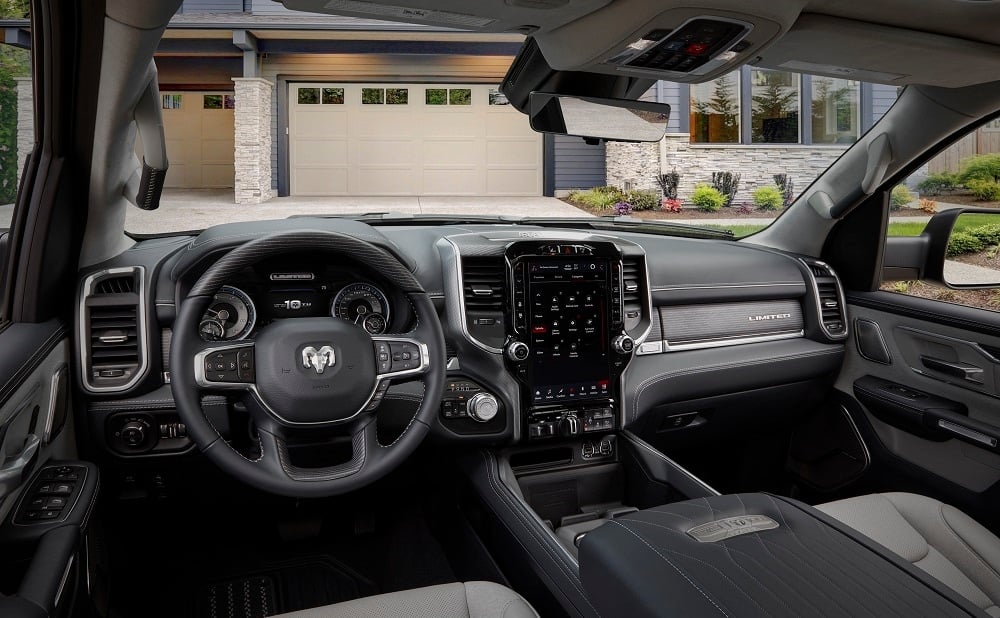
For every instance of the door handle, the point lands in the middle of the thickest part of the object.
(14, 472)
(969, 373)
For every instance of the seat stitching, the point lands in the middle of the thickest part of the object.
(969, 549)
(709, 565)
(828, 532)
(795, 536)
(674, 566)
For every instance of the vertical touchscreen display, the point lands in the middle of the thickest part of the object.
(568, 330)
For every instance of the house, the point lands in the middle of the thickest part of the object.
(275, 102)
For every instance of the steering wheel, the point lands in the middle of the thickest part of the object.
(307, 377)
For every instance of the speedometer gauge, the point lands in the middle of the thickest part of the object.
(365, 305)
(231, 315)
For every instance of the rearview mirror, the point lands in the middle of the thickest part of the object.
(594, 118)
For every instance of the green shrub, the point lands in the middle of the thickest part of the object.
(984, 190)
(768, 198)
(962, 242)
(981, 167)
(989, 234)
(707, 199)
(900, 196)
(601, 198)
(936, 184)
(643, 199)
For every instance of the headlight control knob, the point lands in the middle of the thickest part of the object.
(483, 407)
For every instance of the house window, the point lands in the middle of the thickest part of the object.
(497, 97)
(448, 96)
(835, 110)
(992, 126)
(397, 96)
(715, 111)
(308, 96)
(171, 101)
(372, 96)
(333, 96)
(228, 101)
(774, 107)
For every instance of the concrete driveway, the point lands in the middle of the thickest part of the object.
(198, 209)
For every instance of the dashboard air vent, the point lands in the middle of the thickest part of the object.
(116, 285)
(634, 291)
(482, 283)
(830, 299)
(111, 330)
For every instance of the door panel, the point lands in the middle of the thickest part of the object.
(947, 369)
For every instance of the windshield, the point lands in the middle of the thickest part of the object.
(338, 116)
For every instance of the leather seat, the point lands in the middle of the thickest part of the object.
(459, 600)
(935, 537)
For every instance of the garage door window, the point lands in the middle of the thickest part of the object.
(308, 96)
(385, 96)
(218, 101)
(333, 96)
(448, 96)
(171, 101)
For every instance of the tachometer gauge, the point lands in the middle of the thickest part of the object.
(231, 315)
(365, 305)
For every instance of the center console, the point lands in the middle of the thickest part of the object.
(566, 342)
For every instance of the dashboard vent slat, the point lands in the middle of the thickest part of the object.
(111, 336)
(633, 292)
(483, 283)
(831, 310)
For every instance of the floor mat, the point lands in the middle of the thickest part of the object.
(289, 587)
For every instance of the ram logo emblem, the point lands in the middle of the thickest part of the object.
(319, 359)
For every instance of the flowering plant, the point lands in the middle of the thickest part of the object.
(670, 204)
(623, 209)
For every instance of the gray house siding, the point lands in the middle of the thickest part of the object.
(577, 164)
(212, 6)
(883, 97)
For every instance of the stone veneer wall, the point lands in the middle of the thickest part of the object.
(25, 122)
(639, 163)
(253, 140)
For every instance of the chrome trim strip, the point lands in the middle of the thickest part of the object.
(666, 346)
(140, 321)
(50, 410)
(459, 283)
(819, 305)
(861, 439)
(966, 432)
(724, 286)
(203, 382)
(63, 580)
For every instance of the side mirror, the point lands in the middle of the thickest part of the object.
(594, 118)
(958, 248)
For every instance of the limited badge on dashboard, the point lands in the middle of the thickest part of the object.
(723, 529)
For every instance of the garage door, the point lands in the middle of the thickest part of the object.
(409, 139)
(200, 139)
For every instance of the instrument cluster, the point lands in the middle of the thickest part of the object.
(238, 310)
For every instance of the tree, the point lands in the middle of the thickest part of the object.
(14, 62)
(776, 102)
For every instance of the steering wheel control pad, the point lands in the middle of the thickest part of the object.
(314, 370)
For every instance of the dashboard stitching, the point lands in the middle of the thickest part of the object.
(664, 376)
